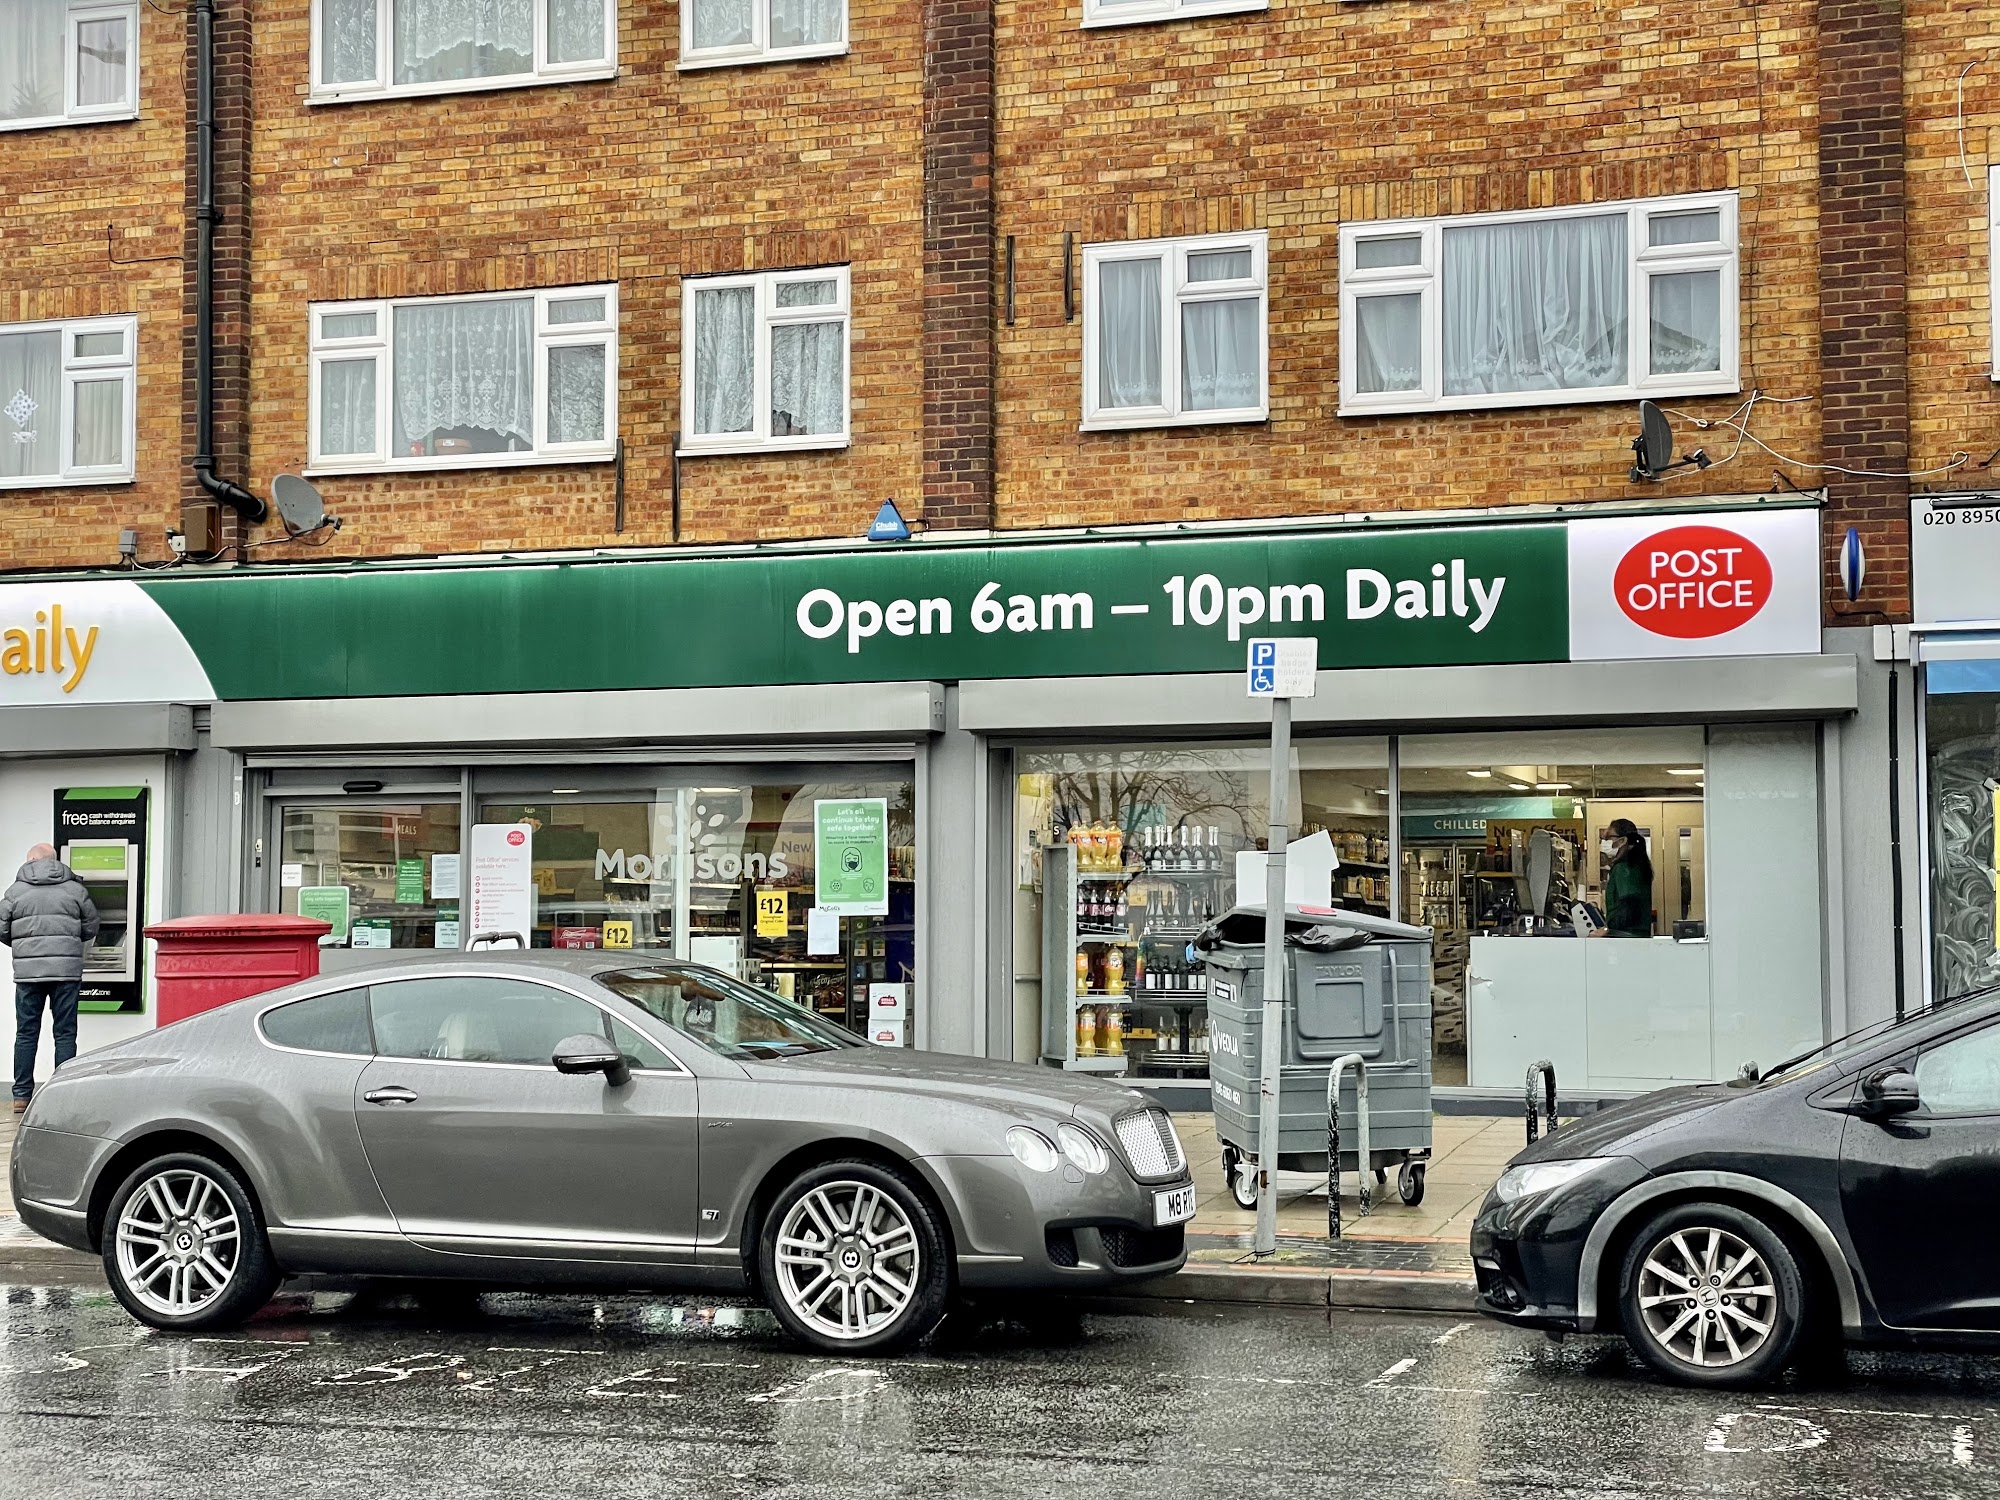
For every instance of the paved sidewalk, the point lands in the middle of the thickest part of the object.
(1398, 1256)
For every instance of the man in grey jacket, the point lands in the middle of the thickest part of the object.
(48, 919)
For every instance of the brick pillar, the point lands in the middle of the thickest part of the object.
(232, 264)
(1863, 322)
(958, 263)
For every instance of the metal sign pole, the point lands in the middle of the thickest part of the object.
(1271, 1057)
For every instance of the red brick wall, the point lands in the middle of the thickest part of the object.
(1865, 422)
(86, 212)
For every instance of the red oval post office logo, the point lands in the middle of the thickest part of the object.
(1693, 582)
(516, 837)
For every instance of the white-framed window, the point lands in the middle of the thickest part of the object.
(66, 402)
(1175, 331)
(764, 361)
(465, 382)
(1993, 261)
(67, 62)
(1127, 12)
(1599, 303)
(718, 33)
(368, 48)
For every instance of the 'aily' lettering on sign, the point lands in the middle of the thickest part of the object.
(50, 647)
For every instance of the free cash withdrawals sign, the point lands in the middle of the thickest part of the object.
(1373, 596)
(851, 860)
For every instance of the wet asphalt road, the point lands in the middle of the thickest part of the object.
(535, 1397)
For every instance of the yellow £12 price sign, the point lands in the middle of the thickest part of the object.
(773, 913)
(617, 934)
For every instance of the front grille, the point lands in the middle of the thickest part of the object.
(1147, 1138)
(1061, 1245)
(1143, 1247)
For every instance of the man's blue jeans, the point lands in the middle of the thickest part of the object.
(60, 997)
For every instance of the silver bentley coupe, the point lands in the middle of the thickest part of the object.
(593, 1119)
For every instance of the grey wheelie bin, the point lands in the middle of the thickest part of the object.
(1359, 983)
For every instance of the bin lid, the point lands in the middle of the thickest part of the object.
(248, 924)
(1326, 928)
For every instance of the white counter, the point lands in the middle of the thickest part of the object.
(1610, 1013)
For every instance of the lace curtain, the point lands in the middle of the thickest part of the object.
(808, 378)
(347, 41)
(1388, 343)
(347, 407)
(1686, 319)
(1128, 333)
(1538, 306)
(720, 23)
(438, 41)
(465, 377)
(576, 31)
(1219, 365)
(576, 393)
(100, 61)
(725, 352)
(30, 404)
(805, 23)
(99, 438)
(31, 59)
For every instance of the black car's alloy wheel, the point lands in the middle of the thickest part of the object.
(1712, 1296)
(853, 1260)
(184, 1247)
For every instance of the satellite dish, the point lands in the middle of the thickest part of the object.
(299, 504)
(1653, 448)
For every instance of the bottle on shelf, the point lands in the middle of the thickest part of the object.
(1114, 972)
(1082, 972)
(1114, 842)
(1111, 1040)
(1086, 1031)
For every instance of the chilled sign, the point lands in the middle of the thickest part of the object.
(1693, 582)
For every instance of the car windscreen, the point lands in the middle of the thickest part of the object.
(726, 1016)
(1837, 1053)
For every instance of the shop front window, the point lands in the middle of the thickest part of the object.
(1504, 855)
(725, 872)
(1962, 733)
(387, 873)
(1156, 833)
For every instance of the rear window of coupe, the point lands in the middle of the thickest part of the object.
(325, 1023)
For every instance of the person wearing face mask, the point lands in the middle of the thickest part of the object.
(1628, 885)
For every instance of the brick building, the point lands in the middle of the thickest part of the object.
(684, 293)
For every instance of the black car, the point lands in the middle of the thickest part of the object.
(1849, 1195)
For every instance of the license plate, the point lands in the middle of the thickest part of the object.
(1174, 1206)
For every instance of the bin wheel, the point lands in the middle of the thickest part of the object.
(1242, 1175)
(1410, 1183)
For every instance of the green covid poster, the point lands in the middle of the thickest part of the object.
(851, 856)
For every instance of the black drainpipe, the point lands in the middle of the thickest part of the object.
(206, 216)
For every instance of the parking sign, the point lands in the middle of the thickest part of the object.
(1283, 668)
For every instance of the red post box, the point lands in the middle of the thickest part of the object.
(204, 962)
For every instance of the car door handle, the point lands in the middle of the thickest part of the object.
(394, 1094)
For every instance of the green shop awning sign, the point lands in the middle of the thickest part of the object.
(1375, 597)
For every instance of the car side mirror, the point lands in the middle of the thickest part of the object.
(584, 1053)
(1892, 1091)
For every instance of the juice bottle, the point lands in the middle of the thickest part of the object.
(1114, 972)
(1082, 972)
(1103, 1038)
(1086, 1032)
(1112, 1039)
(1114, 847)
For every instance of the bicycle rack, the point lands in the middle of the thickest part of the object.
(1547, 1070)
(1366, 1197)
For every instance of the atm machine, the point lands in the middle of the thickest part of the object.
(109, 870)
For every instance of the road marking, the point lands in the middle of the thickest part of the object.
(1398, 1368)
(1961, 1447)
(1869, 1411)
(1451, 1333)
(1808, 1434)
(395, 1371)
(637, 1377)
(856, 1383)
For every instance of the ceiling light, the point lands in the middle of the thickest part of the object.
(564, 791)
(1552, 786)
(1519, 786)
(1481, 774)
(1381, 791)
(1684, 770)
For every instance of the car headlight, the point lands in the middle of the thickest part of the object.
(1085, 1152)
(1526, 1181)
(1032, 1149)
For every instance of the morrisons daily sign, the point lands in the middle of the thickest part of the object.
(1375, 596)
